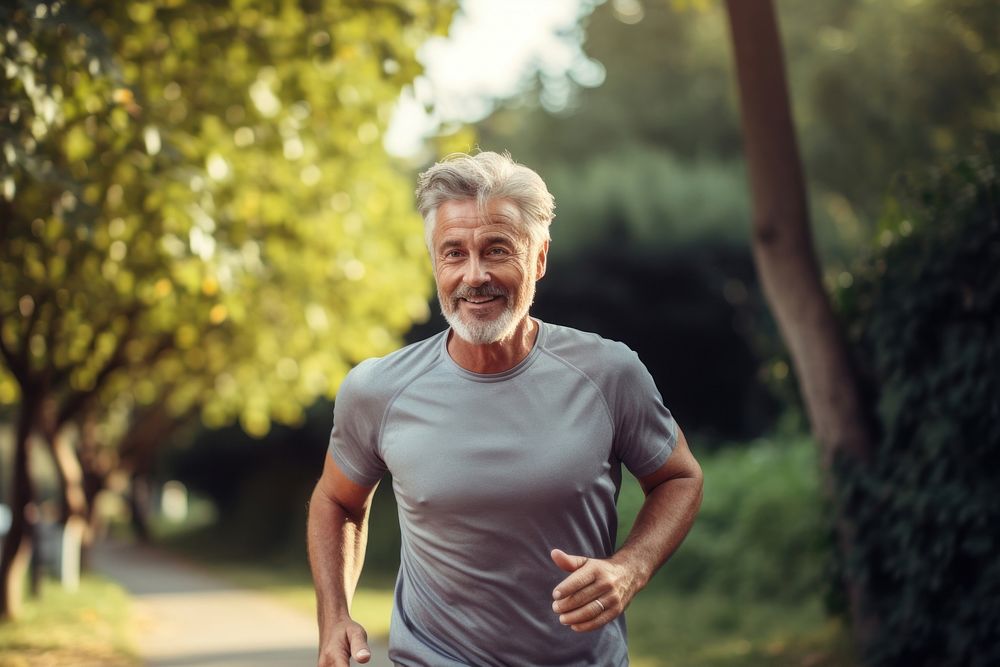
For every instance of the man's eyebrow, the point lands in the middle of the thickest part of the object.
(449, 243)
(499, 238)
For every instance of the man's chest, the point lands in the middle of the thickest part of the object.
(540, 441)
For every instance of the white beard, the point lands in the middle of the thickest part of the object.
(484, 332)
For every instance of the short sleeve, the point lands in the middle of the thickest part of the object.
(645, 431)
(357, 418)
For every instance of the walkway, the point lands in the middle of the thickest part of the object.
(186, 617)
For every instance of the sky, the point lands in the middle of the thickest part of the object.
(492, 52)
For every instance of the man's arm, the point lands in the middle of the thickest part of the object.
(337, 535)
(598, 590)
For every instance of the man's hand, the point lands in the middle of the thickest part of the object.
(594, 594)
(347, 640)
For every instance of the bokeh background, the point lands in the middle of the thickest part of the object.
(206, 219)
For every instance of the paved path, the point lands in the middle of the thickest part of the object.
(186, 617)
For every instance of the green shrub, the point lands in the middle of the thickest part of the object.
(924, 312)
(760, 534)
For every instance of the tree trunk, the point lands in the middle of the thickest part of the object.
(73, 513)
(73, 501)
(786, 261)
(19, 542)
(96, 469)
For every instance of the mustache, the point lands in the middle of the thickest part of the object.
(465, 291)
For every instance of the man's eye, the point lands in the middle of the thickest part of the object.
(498, 251)
(453, 253)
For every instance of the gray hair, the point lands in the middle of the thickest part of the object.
(484, 177)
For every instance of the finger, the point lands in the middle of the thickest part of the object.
(579, 580)
(359, 644)
(593, 624)
(588, 612)
(581, 598)
(566, 562)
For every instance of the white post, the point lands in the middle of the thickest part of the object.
(72, 543)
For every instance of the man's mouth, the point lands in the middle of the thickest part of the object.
(478, 295)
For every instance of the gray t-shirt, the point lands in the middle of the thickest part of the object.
(491, 472)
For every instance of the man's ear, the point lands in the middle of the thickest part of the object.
(543, 254)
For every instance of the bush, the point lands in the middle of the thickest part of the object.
(760, 534)
(924, 312)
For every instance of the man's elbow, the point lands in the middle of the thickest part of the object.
(693, 473)
(693, 479)
(699, 478)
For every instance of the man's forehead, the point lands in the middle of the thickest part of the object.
(459, 217)
(496, 211)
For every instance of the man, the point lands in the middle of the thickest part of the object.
(505, 438)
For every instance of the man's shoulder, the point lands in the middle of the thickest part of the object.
(613, 367)
(382, 377)
(587, 350)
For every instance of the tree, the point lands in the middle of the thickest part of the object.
(786, 260)
(193, 194)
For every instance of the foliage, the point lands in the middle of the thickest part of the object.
(195, 194)
(661, 148)
(649, 197)
(885, 86)
(924, 311)
(667, 86)
(759, 535)
(876, 87)
(90, 628)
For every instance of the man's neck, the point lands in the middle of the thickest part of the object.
(494, 357)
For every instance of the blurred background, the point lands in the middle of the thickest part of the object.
(206, 219)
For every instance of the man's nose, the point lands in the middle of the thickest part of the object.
(475, 272)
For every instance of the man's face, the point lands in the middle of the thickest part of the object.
(485, 269)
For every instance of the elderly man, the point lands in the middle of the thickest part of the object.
(505, 438)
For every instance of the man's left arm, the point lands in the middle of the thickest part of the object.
(598, 590)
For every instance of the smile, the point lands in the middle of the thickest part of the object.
(480, 299)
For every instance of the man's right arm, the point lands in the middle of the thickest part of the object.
(337, 535)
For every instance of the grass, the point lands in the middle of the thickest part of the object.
(709, 630)
(88, 628)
